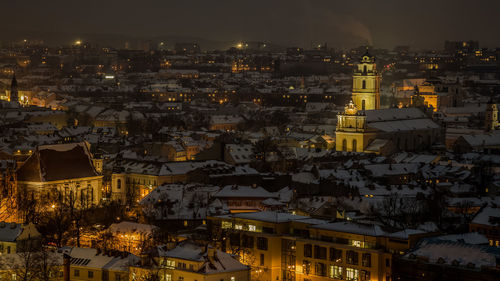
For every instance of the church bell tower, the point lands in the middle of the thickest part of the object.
(366, 84)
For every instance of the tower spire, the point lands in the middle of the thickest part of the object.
(14, 95)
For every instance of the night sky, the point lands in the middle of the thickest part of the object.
(385, 23)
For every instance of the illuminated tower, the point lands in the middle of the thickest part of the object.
(491, 116)
(366, 84)
(14, 96)
(351, 130)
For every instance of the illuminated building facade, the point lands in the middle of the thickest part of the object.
(366, 84)
(188, 261)
(46, 173)
(281, 246)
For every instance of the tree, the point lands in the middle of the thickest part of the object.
(263, 147)
(33, 265)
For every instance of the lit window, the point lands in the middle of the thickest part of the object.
(170, 264)
(227, 224)
(238, 226)
(252, 227)
(352, 274)
(335, 272)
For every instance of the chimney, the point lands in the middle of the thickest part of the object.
(66, 267)
(211, 254)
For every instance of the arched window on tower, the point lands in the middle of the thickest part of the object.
(119, 184)
(354, 145)
(363, 104)
(364, 69)
(344, 145)
(363, 84)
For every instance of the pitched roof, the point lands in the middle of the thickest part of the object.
(58, 162)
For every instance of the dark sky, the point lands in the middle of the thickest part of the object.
(385, 23)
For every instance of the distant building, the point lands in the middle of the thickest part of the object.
(453, 47)
(187, 48)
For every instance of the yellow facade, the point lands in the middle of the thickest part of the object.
(366, 84)
(351, 132)
(177, 269)
(304, 250)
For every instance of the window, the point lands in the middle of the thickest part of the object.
(320, 269)
(365, 275)
(354, 145)
(227, 224)
(387, 262)
(119, 184)
(306, 265)
(14, 276)
(335, 272)
(261, 259)
(363, 84)
(247, 241)
(352, 257)
(76, 272)
(364, 68)
(366, 259)
(181, 278)
(363, 105)
(168, 277)
(233, 278)
(335, 255)
(344, 145)
(170, 264)
(234, 239)
(262, 243)
(117, 277)
(252, 227)
(319, 252)
(90, 274)
(269, 230)
(308, 250)
(352, 274)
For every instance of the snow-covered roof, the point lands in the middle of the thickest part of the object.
(10, 231)
(231, 191)
(132, 227)
(488, 216)
(447, 252)
(92, 258)
(352, 227)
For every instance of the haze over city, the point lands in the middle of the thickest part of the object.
(343, 24)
